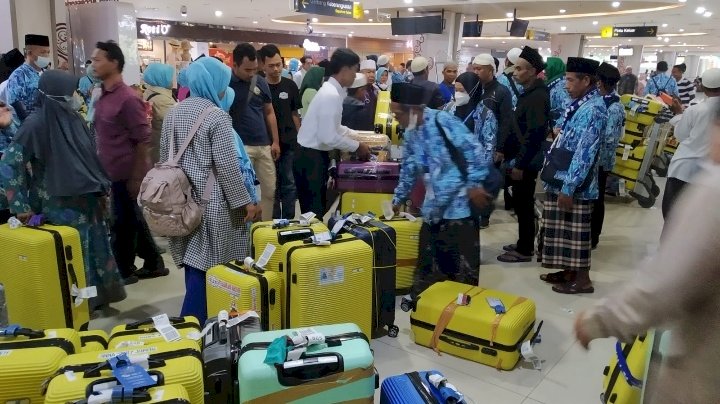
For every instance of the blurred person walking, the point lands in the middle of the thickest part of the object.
(158, 80)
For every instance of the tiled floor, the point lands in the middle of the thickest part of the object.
(569, 375)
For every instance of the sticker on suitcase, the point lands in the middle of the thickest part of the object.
(132, 352)
(5, 352)
(329, 276)
(216, 283)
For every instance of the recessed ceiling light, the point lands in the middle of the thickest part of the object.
(562, 11)
(324, 34)
(255, 22)
(616, 4)
(509, 15)
(563, 28)
(700, 10)
(707, 14)
(681, 30)
(664, 25)
(352, 32)
(350, 35)
(684, 43)
(595, 23)
(370, 19)
(504, 41)
(366, 11)
(629, 40)
(218, 13)
(659, 38)
(410, 9)
(682, 1)
(666, 40)
(476, 45)
(315, 19)
(462, 41)
(408, 1)
(661, 51)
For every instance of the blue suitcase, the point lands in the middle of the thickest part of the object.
(415, 388)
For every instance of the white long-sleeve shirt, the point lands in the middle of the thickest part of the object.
(321, 128)
(692, 133)
(298, 77)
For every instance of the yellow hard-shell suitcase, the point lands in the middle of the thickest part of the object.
(94, 340)
(264, 233)
(632, 138)
(144, 332)
(172, 363)
(39, 267)
(473, 331)
(357, 202)
(634, 158)
(385, 123)
(233, 286)
(330, 284)
(163, 394)
(635, 127)
(31, 357)
(628, 174)
(618, 388)
(407, 234)
(640, 110)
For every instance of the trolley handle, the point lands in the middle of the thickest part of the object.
(625, 369)
(17, 331)
(148, 321)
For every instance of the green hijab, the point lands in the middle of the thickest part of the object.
(554, 69)
(314, 79)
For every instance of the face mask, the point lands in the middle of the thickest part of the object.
(412, 124)
(461, 99)
(42, 62)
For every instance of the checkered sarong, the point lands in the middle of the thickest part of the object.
(567, 238)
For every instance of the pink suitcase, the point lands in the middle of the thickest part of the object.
(370, 177)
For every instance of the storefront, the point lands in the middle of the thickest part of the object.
(178, 43)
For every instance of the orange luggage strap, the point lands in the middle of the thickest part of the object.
(445, 317)
(316, 387)
(498, 317)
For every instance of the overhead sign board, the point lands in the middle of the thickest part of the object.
(332, 8)
(647, 31)
(535, 35)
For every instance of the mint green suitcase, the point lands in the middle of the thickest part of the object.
(339, 370)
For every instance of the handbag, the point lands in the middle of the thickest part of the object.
(559, 159)
(492, 184)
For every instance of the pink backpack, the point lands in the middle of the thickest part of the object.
(166, 193)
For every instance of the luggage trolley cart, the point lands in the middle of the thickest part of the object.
(639, 180)
(667, 144)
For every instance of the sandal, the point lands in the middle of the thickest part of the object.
(514, 257)
(572, 288)
(510, 247)
(558, 277)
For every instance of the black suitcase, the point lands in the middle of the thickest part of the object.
(220, 354)
(382, 239)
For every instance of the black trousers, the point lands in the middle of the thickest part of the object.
(673, 189)
(524, 204)
(285, 193)
(130, 234)
(598, 213)
(449, 249)
(311, 175)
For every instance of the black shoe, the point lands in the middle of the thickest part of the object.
(131, 280)
(484, 222)
(146, 273)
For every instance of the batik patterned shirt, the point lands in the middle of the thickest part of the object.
(427, 157)
(486, 130)
(559, 100)
(612, 135)
(582, 135)
(661, 83)
(23, 87)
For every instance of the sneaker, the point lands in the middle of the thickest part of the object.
(131, 280)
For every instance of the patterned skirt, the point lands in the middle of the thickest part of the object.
(567, 235)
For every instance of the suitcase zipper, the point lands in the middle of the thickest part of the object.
(264, 294)
(63, 270)
(61, 343)
(474, 340)
(421, 388)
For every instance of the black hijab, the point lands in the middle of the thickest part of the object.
(471, 82)
(58, 137)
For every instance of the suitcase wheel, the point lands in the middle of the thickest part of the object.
(393, 331)
(406, 305)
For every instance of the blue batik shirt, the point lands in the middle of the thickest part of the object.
(582, 135)
(7, 134)
(662, 83)
(486, 130)
(504, 80)
(427, 157)
(559, 100)
(23, 86)
(612, 135)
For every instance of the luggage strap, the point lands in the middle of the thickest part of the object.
(317, 386)
(498, 317)
(446, 316)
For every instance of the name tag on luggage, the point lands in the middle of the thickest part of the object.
(626, 152)
(497, 305)
(129, 375)
(163, 326)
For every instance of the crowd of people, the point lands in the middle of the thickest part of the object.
(77, 151)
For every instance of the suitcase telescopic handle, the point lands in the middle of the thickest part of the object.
(148, 321)
(309, 368)
(625, 369)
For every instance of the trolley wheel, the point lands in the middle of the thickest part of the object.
(655, 190)
(405, 305)
(652, 186)
(646, 202)
(393, 331)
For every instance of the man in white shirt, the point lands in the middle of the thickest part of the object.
(306, 63)
(692, 132)
(322, 132)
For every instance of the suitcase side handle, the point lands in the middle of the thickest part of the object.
(148, 321)
(90, 389)
(17, 331)
(308, 368)
(624, 368)
(95, 372)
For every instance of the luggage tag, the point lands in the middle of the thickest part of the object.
(82, 294)
(448, 391)
(325, 238)
(130, 376)
(242, 318)
(497, 305)
(306, 218)
(463, 299)
(408, 216)
(626, 152)
(336, 229)
(367, 218)
(526, 349)
(387, 209)
(280, 223)
(163, 326)
(396, 152)
(622, 190)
